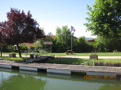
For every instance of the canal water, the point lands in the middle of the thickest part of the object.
(24, 80)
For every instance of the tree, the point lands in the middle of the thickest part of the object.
(47, 38)
(19, 28)
(107, 44)
(81, 44)
(64, 37)
(105, 18)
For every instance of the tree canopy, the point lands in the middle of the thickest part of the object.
(19, 28)
(63, 34)
(104, 18)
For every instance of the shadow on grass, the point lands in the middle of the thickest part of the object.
(77, 61)
(22, 59)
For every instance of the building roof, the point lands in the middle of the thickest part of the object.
(28, 44)
(91, 41)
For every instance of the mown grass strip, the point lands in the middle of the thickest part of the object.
(16, 59)
(75, 54)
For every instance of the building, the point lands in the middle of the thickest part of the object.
(32, 43)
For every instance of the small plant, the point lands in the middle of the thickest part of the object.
(23, 47)
(13, 53)
(43, 51)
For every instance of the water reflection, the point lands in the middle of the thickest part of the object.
(21, 82)
(110, 87)
(24, 80)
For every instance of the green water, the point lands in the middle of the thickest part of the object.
(24, 80)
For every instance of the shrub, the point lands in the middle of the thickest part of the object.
(32, 47)
(23, 47)
(13, 53)
(11, 48)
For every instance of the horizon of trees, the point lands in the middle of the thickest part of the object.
(62, 43)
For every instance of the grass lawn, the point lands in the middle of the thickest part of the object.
(86, 54)
(78, 54)
(15, 58)
(109, 60)
(66, 60)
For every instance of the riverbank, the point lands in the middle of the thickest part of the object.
(63, 69)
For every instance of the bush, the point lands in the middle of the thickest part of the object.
(32, 47)
(13, 53)
(23, 47)
(11, 48)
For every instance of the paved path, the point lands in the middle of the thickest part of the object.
(99, 57)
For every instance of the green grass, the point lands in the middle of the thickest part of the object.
(4, 57)
(87, 54)
(109, 60)
(77, 54)
(66, 61)
(16, 59)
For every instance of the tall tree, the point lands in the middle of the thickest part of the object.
(105, 18)
(81, 44)
(64, 36)
(19, 28)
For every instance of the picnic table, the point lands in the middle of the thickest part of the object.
(69, 51)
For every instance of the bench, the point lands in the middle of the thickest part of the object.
(69, 51)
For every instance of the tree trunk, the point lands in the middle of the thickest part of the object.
(1, 51)
(19, 50)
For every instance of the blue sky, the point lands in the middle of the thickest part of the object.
(52, 13)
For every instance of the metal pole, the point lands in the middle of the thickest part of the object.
(71, 41)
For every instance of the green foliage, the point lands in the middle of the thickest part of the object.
(32, 47)
(109, 60)
(13, 53)
(106, 44)
(63, 39)
(11, 48)
(40, 42)
(81, 42)
(63, 35)
(23, 47)
(66, 61)
(16, 59)
(104, 18)
(62, 42)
